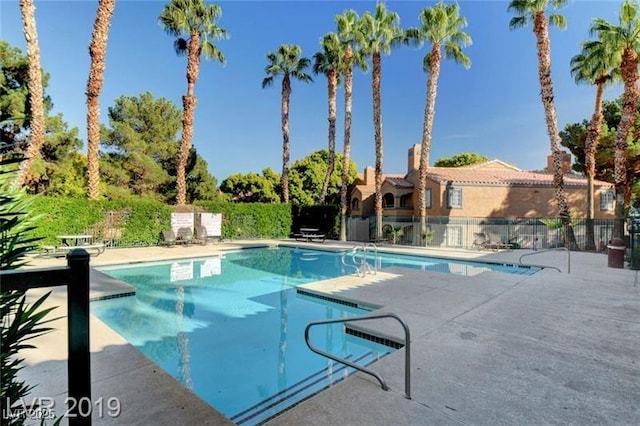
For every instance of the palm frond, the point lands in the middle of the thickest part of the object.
(558, 21)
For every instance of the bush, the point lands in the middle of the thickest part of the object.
(139, 221)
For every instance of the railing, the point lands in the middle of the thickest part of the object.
(547, 250)
(407, 348)
(362, 266)
(76, 277)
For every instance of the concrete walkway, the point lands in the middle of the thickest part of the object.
(550, 348)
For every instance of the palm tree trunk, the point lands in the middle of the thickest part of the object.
(189, 103)
(541, 30)
(429, 113)
(591, 145)
(629, 70)
(286, 92)
(34, 85)
(332, 82)
(348, 94)
(97, 52)
(377, 126)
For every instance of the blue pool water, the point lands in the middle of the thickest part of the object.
(231, 328)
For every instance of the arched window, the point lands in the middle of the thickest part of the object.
(355, 204)
(405, 201)
(388, 201)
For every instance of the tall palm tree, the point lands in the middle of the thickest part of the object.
(623, 40)
(381, 32)
(287, 62)
(441, 26)
(597, 66)
(327, 62)
(350, 35)
(34, 85)
(97, 52)
(535, 11)
(194, 25)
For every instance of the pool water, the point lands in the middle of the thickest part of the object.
(233, 332)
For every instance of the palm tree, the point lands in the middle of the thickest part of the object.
(623, 41)
(98, 52)
(381, 32)
(596, 66)
(286, 61)
(194, 25)
(327, 62)
(34, 85)
(441, 26)
(350, 36)
(535, 11)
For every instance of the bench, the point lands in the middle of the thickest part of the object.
(61, 251)
(309, 234)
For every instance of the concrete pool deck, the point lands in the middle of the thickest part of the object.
(494, 348)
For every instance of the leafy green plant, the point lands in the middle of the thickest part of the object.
(19, 321)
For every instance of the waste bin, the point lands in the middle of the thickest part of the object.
(615, 254)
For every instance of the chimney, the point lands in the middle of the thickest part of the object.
(565, 162)
(414, 158)
(369, 175)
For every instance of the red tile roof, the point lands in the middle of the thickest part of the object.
(491, 176)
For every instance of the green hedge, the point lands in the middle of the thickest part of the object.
(145, 219)
(252, 220)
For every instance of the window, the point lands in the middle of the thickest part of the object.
(355, 204)
(404, 201)
(454, 198)
(606, 200)
(427, 198)
(388, 201)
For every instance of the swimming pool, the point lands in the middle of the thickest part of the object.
(233, 332)
(231, 328)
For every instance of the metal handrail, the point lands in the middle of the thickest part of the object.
(547, 250)
(375, 258)
(353, 252)
(407, 348)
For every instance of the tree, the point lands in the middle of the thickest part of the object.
(140, 151)
(594, 65)
(141, 143)
(535, 11)
(441, 26)
(381, 32)
(35, 86)
(350, 36)
(307, 178)
(194, 25)
(623, 41)
(98, 53)
(461, 160)
(252, 187)
(15, 105)
(574, 137)
(327, 62)
(287, 62)
(61, 168)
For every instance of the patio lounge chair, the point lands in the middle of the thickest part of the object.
(167, 238)
(184, 236)
(496, 243)
(480, 240)
(201, 235)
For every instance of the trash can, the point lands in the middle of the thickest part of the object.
(615, 254)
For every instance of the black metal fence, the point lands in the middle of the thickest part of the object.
(76, 277)
(455, 232)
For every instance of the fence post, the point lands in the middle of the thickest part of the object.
(79, 364)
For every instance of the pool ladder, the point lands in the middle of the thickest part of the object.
(407, 348)
(362, 266)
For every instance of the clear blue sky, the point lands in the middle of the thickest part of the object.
(493, 108)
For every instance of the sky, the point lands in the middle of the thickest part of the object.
(493, 108)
